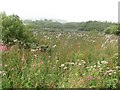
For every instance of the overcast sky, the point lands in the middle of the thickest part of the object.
(69, 10)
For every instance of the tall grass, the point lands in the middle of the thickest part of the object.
(75, 60)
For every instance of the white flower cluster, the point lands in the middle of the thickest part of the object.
(104, 62)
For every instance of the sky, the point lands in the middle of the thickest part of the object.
(69, 10)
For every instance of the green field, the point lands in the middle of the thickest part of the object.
(72, 60)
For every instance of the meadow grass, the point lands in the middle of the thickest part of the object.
(75, 60)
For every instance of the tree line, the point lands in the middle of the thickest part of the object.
(49, 25)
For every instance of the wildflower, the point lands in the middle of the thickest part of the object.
(91, 67)
(110, 70)
(83, 61)
(104, 62)
(90, 78)
(98, 66)
(3, 73)
(110, 73)
(62, 65)
(32, 50)
(114, 72)
(71, 63)
(117, 67)
(5, 65)
(79, 64)
(35, 55)
(65, 67)
(54, 46)
(103, 45)
(94, 41)
(94, 66)
(15, 40)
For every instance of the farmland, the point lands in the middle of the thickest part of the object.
(72, 59)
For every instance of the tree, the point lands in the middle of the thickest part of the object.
(14, 31)
(113, 29)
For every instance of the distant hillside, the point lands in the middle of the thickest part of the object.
(51, 25)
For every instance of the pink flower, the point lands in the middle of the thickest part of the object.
(89, 77)
(4, 48)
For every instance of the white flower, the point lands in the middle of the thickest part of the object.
(71, 63)
(94, 66)
(103, 45)
(91, 67)
(98, 66)
(110, 73)
(104, 62)
(54, 46)
(114, 72)
(79, 64)
(117, 67)
(35, 55)
(62, 65)
(94, 41)
(15, 40)
(65, 67)
(108, 68)
(83, 61)
(4, 74)
(32, 50)
(98, 62)
(5, 65)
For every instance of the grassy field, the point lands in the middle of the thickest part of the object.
(72, 60)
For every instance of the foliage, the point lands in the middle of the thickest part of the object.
(14, 31)
(71, 26)
(111, 29)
